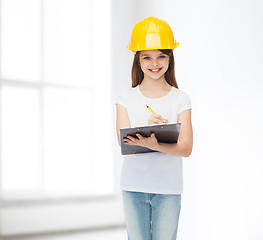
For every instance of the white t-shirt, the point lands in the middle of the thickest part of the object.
(153, 172)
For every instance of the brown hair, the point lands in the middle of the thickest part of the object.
(138, 75)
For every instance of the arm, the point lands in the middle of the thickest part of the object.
(182, 148)
(122, 120)
(184, 145)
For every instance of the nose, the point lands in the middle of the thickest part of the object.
(154, 62)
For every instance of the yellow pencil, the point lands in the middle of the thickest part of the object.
(150, 109)
(153, 111)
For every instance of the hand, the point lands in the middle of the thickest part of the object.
(156, 119)
(148, 142)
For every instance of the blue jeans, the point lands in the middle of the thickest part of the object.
(150, 216)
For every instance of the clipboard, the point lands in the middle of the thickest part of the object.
(165, 133)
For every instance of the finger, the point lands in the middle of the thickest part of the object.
(159, 121)
(139, 135)
(157, 117)
(163, 120)
(132, 138)
(128, 141)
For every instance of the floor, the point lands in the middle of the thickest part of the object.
(109, 234)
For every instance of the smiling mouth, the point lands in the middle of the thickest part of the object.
(156, 70)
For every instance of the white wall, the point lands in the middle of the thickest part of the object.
(218, 63)
(122, 24)
(54, 215)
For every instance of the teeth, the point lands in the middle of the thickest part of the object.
(155, 70)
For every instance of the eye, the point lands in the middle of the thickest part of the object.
(162, 56)
(146, 58)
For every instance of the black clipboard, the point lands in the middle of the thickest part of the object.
(165, 133)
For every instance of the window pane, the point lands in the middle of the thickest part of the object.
(20, 139)
(20, 39)
(71, 164)
(67, 41)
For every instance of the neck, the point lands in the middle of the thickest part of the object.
(154, 84)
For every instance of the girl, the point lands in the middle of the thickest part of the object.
(152, 182)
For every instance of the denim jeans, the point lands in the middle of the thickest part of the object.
(150, 216)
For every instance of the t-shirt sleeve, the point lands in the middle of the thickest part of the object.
(184, 102)
(120, 98)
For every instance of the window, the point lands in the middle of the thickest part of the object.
(55, 90)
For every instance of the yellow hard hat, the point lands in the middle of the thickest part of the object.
(152, 33)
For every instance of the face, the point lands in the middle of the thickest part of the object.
(154, 63)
